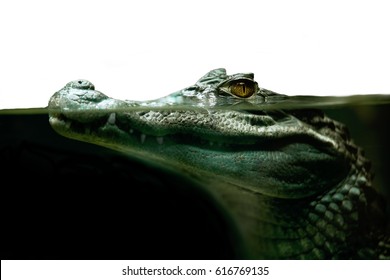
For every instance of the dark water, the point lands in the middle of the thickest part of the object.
(30, 151)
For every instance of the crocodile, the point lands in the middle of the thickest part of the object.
(293, 182)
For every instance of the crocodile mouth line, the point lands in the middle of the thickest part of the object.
(110, 125)
(96, 127)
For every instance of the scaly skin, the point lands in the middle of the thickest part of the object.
(293, 181)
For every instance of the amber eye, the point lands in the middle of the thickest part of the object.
(243, 88)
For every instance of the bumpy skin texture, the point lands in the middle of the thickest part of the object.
(293, 181)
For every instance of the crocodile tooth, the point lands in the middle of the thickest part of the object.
(131, 130)
(160, 140)
(143, 137)
(68, 124)
(111, 119)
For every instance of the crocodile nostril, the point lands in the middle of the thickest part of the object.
(81, 84)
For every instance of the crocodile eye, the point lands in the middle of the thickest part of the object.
(243, 88)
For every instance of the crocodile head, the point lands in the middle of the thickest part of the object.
(293, 180)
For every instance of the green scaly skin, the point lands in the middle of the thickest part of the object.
(293, 181)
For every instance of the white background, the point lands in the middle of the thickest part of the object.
(147, 49)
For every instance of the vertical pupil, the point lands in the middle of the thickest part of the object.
(242, 88)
